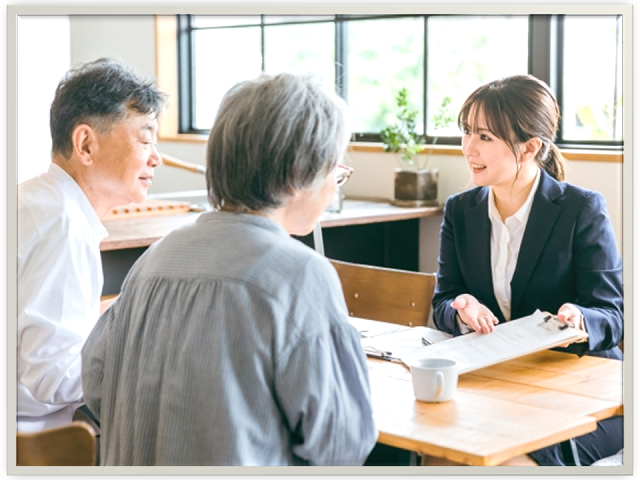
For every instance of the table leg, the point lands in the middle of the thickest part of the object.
(574, 451)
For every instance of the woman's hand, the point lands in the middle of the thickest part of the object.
(475, 315)
(570, 314)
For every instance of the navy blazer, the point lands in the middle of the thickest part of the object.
(568, 254)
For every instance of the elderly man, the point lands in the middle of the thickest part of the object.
(103, 127)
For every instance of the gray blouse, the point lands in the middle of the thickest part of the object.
(229, 345)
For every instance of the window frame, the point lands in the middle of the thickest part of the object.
(543, 65)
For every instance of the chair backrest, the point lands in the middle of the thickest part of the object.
(70, 445)
(385, 294)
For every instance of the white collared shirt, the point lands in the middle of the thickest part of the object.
(506, 238)
(59, 287)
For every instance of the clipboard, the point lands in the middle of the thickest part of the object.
(516, 338)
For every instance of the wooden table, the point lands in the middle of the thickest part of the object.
(501, 411)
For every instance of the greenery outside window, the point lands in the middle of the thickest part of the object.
(592, 79)
(367, 59)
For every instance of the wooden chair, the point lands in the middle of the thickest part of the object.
(385, 294)
(71, 445)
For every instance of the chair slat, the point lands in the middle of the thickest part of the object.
(71, 445)
(385, 294)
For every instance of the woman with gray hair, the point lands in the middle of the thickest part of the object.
(229, 343)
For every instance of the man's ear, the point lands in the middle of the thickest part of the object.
(531, 148)
(84, 141)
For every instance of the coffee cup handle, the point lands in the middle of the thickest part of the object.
(439, 383)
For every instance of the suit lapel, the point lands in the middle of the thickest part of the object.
(478, 234)
(542, 218)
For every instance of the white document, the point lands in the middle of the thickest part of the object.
(397, 343)
(508, 340)
(390, 340)
(372, 328)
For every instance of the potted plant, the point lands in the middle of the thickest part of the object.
(415, 184)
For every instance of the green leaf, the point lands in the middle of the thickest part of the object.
(402, 136)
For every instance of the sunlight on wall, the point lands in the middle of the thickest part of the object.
(43, 58)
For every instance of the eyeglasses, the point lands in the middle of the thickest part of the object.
(342, 174)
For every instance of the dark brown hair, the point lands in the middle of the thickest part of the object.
(515, 109)
(101, 94)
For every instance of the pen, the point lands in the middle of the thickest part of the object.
(380, 354)
(426, 341)
(564, 326)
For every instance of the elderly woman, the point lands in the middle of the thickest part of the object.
(229, 343)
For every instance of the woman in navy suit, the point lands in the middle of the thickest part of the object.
(524, 240)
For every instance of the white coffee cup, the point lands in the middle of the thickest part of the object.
(434, 379)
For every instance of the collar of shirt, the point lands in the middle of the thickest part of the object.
(522, 215)
(249, 218)
(77, 194)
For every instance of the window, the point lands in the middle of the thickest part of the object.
(592, 79)
(393, 49)
(367, 59)
(467, 51)
(216, 69)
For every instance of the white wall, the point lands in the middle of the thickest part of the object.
(41, 64)
(129, 38)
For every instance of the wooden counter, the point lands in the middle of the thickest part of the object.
(143, 231)
(362, 212)
(366, 231)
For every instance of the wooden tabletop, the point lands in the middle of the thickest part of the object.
(143, 231)
(501, 411)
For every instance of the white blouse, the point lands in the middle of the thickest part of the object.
(506, 238)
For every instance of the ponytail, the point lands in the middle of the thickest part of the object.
(554, 163)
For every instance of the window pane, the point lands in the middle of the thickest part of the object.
(305, 48)
(384, 56)
(204, 21)
(465, 52)
(592, 83)
(221, 59)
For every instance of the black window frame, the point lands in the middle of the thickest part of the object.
(545, 44)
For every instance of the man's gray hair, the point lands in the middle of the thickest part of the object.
(271, 136)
